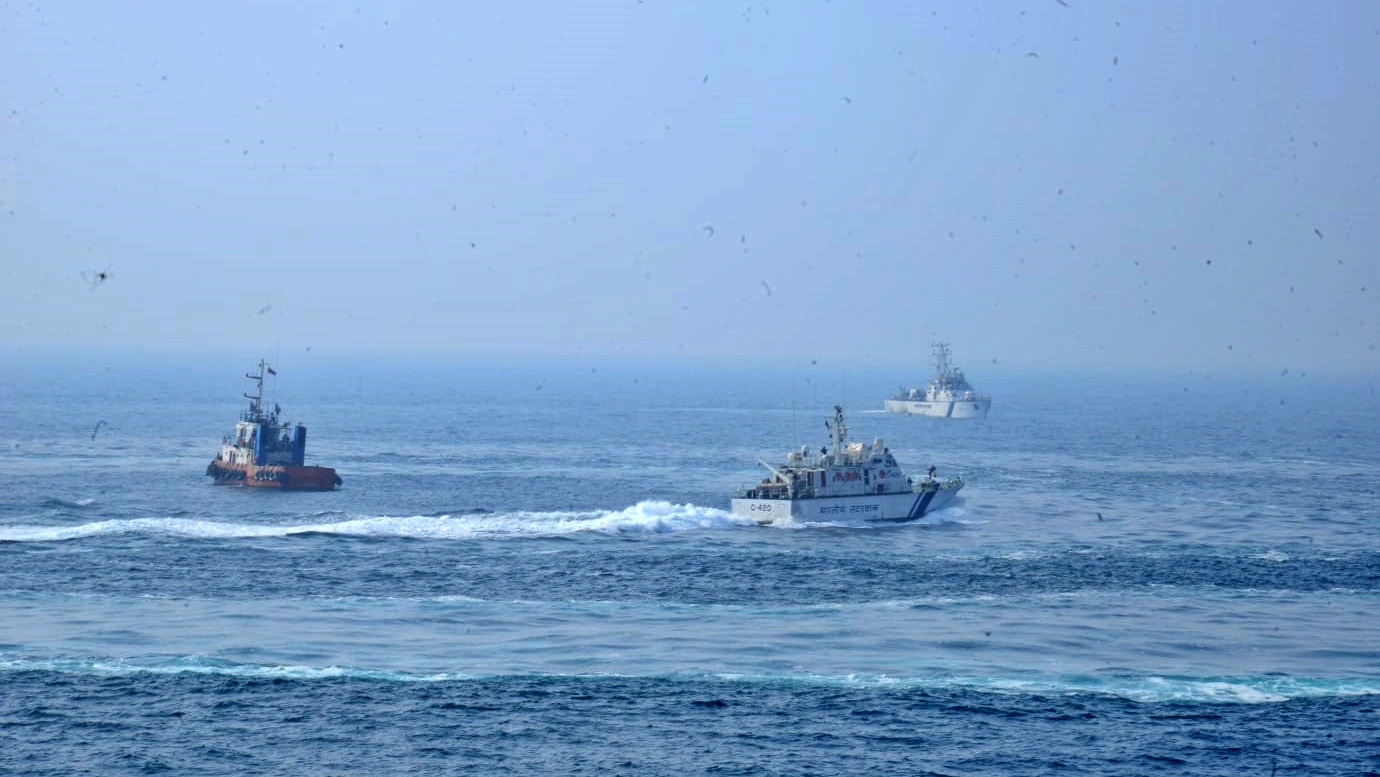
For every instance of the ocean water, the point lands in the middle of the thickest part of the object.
(532, 570)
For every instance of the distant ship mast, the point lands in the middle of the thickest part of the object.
(941, 354)
(256, 400)
(840, 433)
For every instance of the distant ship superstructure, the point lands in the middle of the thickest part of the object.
(266, 453)
(845, 482)
(948, 394)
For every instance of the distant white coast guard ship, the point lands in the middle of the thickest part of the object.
(948, 394)
(848, 483)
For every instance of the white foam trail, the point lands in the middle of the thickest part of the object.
(196, 665)
(1148, 689)
(954, 513)
(662, 517)
(649, 517)
(177, 527)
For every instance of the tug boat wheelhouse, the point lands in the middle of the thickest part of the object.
(849, 483)
(948, 394)
(266, 453)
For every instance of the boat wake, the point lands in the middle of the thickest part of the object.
(647, 517)
(651, 517)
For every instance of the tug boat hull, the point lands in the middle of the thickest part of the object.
(285, 478)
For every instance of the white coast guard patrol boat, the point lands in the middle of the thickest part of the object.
(850, 483)
(948, 394)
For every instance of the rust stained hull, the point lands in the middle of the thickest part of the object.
(284, 477)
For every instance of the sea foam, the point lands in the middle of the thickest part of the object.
(1145, 689)
(644, 517)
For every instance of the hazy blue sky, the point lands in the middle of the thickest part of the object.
(1083, 183)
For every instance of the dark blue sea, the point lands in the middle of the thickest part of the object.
(530, 569)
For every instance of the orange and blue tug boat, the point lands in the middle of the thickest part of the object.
(266, 453)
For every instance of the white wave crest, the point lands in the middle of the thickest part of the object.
(197, 665)
(1146, 689)
(649, 517)
(175, 527)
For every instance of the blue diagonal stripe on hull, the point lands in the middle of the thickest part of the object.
(922, 504)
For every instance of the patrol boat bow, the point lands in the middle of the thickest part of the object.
(848, 483)
(264, 453)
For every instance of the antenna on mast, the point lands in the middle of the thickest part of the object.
(256, 400)
(838, 431)
(941, 355)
